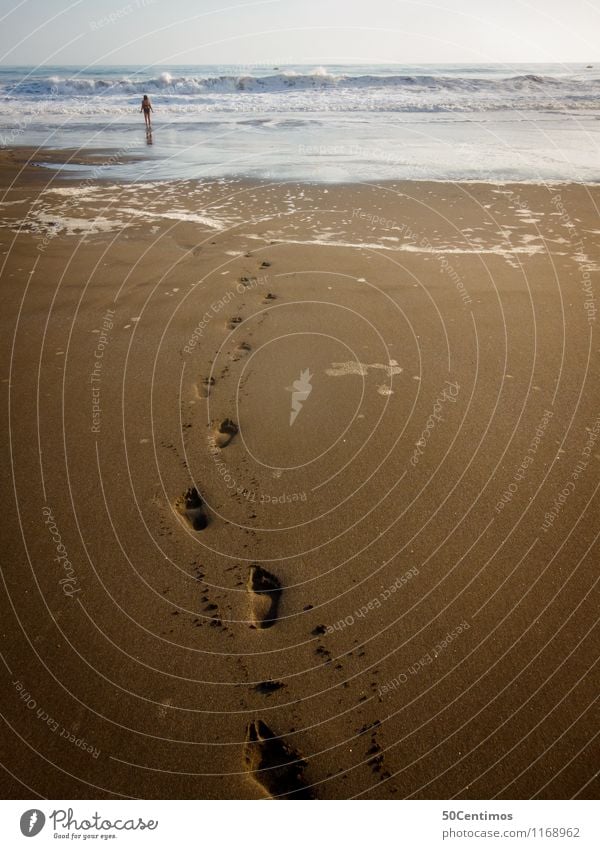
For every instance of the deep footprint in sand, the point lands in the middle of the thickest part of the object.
(265, 592)
(225, 433)
(233, 322)
(275, 766)
(190, 506)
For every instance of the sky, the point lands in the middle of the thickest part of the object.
(88, 33)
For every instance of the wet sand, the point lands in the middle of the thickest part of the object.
(301, 491)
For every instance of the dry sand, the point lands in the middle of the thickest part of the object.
(301, 489)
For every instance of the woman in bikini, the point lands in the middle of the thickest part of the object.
(147, 109)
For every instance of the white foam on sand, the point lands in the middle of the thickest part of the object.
(75, 191)
(408, 247)
(193, 217)
(55, 221)
(175, 215)
(50, 223)
(362, 369)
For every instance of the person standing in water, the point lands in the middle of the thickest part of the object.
(147, 109)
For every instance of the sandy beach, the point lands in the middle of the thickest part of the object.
(301, 487)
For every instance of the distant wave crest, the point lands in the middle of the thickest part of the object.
(165, 83)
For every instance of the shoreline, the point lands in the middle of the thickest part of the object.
(43, 158)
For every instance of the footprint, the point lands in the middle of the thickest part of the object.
(190, 507)
(233, 322)
(207, 384)
(265, 688)
(266, 591)
(242, 350)
(265, 264)
(225, 433)
(269, 297)
(275, 766)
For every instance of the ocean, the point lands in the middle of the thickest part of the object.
(523, 123)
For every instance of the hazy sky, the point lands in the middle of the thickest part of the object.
(279, 32)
